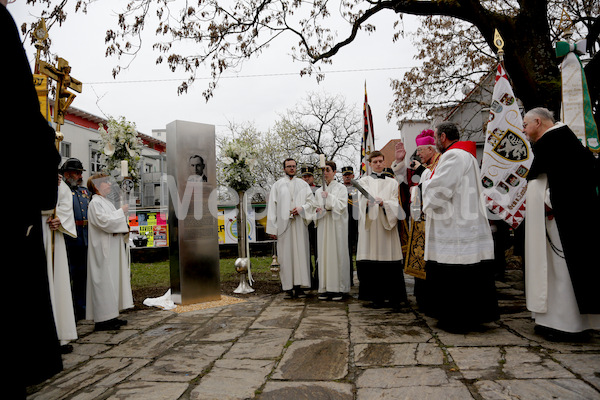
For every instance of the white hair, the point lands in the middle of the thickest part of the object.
(542, 113)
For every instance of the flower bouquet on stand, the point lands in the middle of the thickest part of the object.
(122, 149)
(240, 161)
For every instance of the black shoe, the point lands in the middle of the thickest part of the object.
(337, 297)
(453, 328)
(289, 294)
(66, 349)
(300, 293)
(374, 305)
(110, 325)
(554, 335)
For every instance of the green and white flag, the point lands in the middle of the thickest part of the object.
(576, 110)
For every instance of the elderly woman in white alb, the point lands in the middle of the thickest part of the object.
(109, 282)
(332, 236)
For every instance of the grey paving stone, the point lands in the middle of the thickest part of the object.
(314, 360)
(489, 334)
(415, 393)
(95, 376)
(274, 317)
(516, 389)
(110, 337)
(478, 362)
(401, 377)
(276, 390)
(529, 363)
(260, 344)
(390, 354)
(140, 390)
(151, 343)
(388, 333)
(183, 363)
(323, 326)
(231, 379)
(586, 365)
(221, 329)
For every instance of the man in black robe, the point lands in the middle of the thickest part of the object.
(34, 350)
(572, 173)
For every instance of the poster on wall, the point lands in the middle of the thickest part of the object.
(149, 229)
(228, 226)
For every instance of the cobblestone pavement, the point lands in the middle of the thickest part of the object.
(272, 348)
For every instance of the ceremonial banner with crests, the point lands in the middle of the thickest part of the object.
(507, 155)
(368, 139)
(576, 110)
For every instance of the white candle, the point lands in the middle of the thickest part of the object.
(322, 160)
(124, 169)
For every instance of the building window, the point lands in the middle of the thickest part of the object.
(95, 163)
(65, 149)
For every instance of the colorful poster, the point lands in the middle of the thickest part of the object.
(228, 226)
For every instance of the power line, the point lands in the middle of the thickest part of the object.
(248, 76)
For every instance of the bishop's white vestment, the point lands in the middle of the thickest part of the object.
(109, 280)
(58, 264)
(459, 247)
(293, 246)
(548, 286)
(332, 238)
(457, 230)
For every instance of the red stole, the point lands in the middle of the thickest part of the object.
(467, 145)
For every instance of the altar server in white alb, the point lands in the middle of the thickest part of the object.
(379, 253)
(109, 281)
(290, 209)
(56, 223)
(562, 270)
(332, 236)
(459, 248)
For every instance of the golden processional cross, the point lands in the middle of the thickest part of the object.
(61, 73)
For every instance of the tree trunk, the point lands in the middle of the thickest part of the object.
(532, 65)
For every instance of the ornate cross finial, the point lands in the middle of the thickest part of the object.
(499, 43)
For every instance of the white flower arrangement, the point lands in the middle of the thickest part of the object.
(120, 142)
(240, 161)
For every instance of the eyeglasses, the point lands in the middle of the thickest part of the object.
(527, 123)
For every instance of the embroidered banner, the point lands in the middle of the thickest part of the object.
(368, 139)
(507, 155)
(415, 262)
(576, 110)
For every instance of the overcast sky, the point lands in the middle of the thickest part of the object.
(146, 93)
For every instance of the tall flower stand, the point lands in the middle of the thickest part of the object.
(242, 264)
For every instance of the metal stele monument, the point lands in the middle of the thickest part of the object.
(193, 242)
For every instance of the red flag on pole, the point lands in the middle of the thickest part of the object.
(368, 139)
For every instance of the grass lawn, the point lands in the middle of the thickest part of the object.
(146, 275)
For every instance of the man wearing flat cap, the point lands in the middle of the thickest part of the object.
(308, 176)
(77, 248)
(348, 175)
